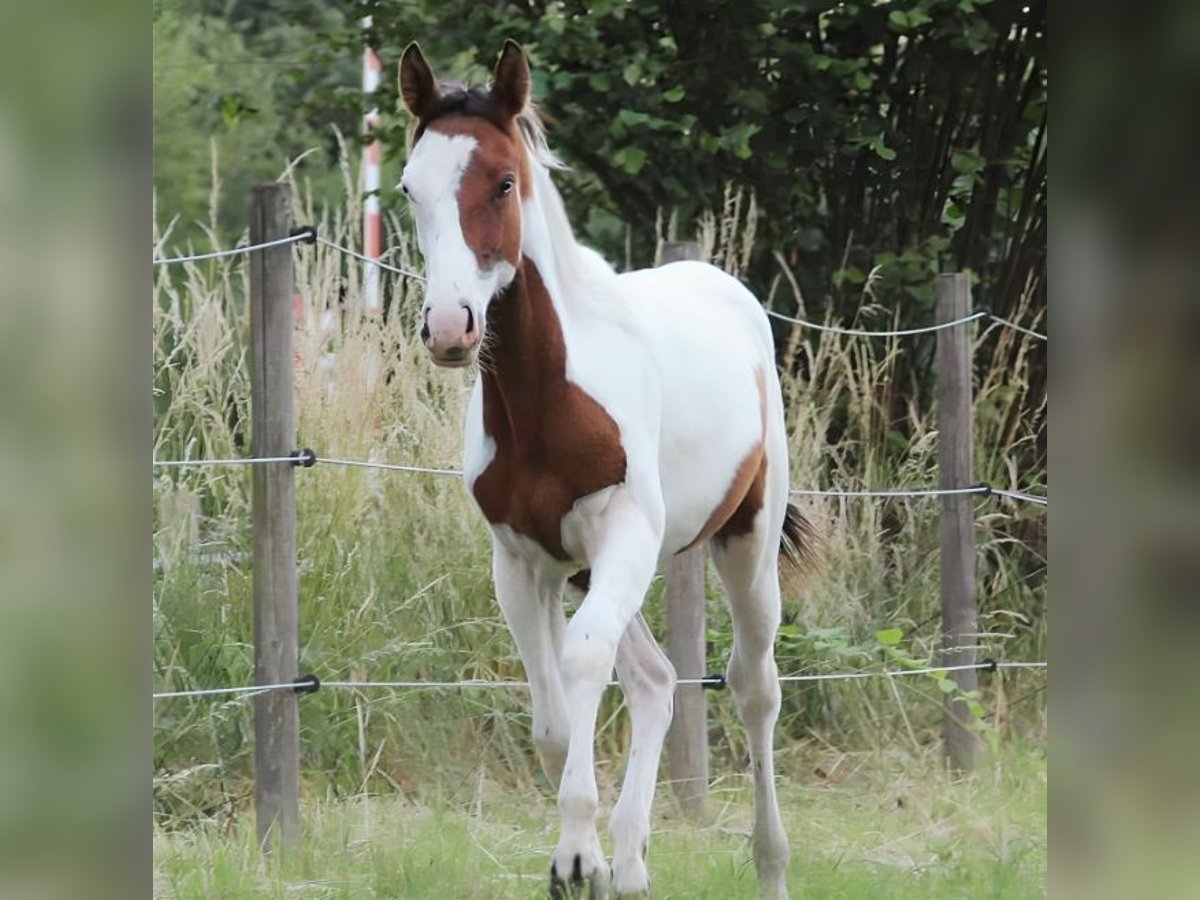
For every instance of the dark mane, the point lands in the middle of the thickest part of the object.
(461, 100)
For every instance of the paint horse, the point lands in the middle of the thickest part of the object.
(616, 420)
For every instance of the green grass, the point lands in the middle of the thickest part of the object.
(868, 826)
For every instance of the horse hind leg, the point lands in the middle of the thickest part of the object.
(648, 680)
(749, 573)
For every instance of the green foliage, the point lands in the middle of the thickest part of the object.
(225, 98)
(867, 128)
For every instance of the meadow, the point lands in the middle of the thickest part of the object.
(861, 826)
(438, 793)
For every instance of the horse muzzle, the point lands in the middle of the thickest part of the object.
(451, 334)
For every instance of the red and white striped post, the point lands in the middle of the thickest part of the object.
(372, 225)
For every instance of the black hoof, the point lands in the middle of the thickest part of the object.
(558, 888)
(597, 887)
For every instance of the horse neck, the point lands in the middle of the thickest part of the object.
(524, 368)
(558, 285)
(546, 237)
(579, 281)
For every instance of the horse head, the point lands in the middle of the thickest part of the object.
(467, 173)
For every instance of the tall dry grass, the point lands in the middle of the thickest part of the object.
(395, 571)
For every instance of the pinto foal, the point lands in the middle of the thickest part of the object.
(616, 420)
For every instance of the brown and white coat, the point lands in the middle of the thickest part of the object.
(616, 420)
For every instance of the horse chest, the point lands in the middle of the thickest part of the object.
(548, 456)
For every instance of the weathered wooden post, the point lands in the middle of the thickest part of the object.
(957, 527)
(276, 618)
(687, 741)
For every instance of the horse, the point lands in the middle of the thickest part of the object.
(617, 419)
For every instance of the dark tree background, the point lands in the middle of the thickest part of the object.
(903, 139)
(900, 139)
(910, 135)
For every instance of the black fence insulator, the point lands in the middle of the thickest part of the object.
(984, 488)
(981, 308)
(988, 665)
(309, 232)
(306, 684)
(306, 457)
(714, 682)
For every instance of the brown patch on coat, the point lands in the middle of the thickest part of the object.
(554, 443)
(737, 510)
(491, 222)
(741, 521)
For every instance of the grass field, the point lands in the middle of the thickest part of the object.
(437, 794)
(861, 826)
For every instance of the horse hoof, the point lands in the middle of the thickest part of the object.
(558, 887)
(573, 889)
(630, 878)
(598, 886)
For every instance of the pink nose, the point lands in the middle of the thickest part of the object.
(450, 331)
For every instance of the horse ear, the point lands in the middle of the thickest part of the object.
(510, 81)
(418, 87)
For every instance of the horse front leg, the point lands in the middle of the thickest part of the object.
(530, 602)
(623, 561)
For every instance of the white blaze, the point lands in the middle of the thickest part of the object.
(433, 177)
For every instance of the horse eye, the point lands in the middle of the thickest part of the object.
(404, 187)
(506, 186)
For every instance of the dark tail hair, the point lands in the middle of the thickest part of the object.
(799, 542)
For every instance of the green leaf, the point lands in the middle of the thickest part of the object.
(630, 159)
(599, 82)
(922, 292)
(953, 216)
(751, 101)
(674, 95)
(737, 139)
(848, 275)
(632, 73)
(889, 637)
(899, 18)
(966, 162)
(882, 150)
(631, 117)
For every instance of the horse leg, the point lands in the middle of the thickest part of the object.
(623, 560)
(749, 572)
(529, 605)
(648, 679)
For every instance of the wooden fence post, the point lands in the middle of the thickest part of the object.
(273, 511)
(957, 528)
(687, 741)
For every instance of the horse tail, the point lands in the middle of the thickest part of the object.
(799, 542)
